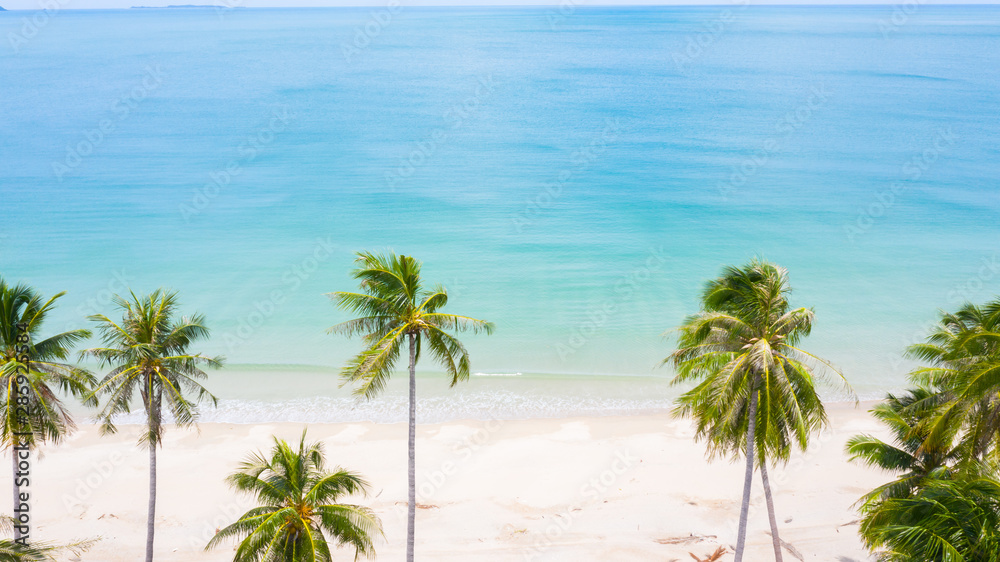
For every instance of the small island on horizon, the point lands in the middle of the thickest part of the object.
(177, 6)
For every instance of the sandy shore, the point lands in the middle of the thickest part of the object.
(602, 489)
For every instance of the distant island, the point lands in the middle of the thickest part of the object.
(177, 6)
(2, 9)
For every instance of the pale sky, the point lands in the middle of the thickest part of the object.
(104, 4)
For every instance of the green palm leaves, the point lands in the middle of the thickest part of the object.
(11, 551)
(48, 419)
(755, 388)
(392, 305)
(945, 501)
(298, 512)
(963, 363)
(147, 353)
(744, 343)
(907, 457)
(946, 520)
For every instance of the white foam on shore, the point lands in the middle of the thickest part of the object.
(435, 409)
(272, 397)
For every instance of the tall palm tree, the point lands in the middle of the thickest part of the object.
(944, 520)
(22, 309)
(755, 394)
(298, 498)
(912, 462)
(395, 309)
(963, 356)
(147, 351)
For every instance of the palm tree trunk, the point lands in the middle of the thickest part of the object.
(770, 513)
(741, 537)
(411, 507)
(154, 439)
(151, 513)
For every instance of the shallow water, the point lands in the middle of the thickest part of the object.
(547, 167)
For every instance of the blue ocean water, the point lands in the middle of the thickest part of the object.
(572, 174)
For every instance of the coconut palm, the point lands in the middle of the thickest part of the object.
(299, 513)
(755, 395)
(912, 463)
(147, 352)
(963, 357)
(944, 520)
(23, 312)
(395, 309)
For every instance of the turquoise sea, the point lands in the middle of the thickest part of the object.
(573, 174)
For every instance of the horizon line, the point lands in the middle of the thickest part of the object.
(553, 4)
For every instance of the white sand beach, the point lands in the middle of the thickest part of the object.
(600, 488)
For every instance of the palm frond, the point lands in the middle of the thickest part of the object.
(299, 510)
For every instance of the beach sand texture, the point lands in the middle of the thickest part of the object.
(599, 488)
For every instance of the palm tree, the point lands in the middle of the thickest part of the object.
(298, 504)
(755, 393)
(912, 462)
(147, 352)
(23, 311)
(945, 520)
(394, 308)
(963, 354)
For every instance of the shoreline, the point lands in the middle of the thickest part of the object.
(832, 405)
(84, 418)
(574, 488)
